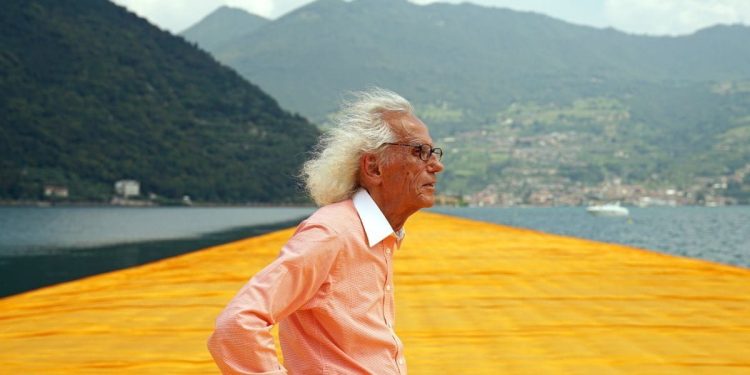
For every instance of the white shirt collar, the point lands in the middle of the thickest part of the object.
(377, 227)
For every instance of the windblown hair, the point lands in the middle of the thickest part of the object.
(331, 175)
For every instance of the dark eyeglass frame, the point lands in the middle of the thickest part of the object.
(425, 151)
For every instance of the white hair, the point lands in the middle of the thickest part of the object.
(331, 175)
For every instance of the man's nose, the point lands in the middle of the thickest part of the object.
(435, 165)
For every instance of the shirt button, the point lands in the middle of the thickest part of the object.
(388, 251)
(388, 287)
(401, 361)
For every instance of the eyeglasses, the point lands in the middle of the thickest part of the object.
(425, 151)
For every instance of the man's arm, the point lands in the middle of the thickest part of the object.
(242, 342)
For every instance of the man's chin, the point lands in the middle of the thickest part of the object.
(428, 200)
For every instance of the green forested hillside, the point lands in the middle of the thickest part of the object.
(639, 109)
(91, 94)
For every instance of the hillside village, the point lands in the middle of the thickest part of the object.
(704, 192)
(550, 170)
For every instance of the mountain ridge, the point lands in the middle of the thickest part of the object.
(340, 29)
(645, 110)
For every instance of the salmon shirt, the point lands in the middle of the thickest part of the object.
(331, 292)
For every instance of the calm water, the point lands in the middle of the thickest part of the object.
(720, 234)
(43, 246)
(30, 230)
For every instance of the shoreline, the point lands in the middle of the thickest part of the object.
(64, 264)
(652, 228)
(145, 204)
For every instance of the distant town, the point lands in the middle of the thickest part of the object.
(544, 192)
(703, 192)
(503, 165)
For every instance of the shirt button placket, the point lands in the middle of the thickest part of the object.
(388, 287)
(388, 298)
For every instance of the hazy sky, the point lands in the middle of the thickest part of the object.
(655, 17)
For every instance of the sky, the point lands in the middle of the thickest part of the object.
(651, 17)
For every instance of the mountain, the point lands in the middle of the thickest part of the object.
(479, 57)
(92, 94)
(221, 26)
(658, 111)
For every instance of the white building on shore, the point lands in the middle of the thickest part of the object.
(127, 188)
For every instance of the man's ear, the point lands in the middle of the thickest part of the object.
(369, 170)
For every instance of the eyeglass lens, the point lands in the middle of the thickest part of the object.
(426, 152)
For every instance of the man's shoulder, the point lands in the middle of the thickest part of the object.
(341, 217)
(324, 234)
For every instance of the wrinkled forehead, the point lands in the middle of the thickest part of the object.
(408, 128)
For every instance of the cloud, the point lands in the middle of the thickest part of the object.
(656, 17)
(263, 8)
(177, 15)
(673, 17)
(268, 8)
(173, 15)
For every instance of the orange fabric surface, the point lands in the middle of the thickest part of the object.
(471, 298)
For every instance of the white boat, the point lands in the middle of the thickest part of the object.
(609, 209)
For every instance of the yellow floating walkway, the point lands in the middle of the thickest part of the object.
(472, 298)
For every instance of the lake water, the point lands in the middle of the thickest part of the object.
(720, 234)
(43, 246)
(30, 230)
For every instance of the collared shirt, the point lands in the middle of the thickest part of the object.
(376, 226)
(331, 292)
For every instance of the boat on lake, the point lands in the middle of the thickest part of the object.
(609, 209)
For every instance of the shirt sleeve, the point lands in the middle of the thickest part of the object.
(242, 342)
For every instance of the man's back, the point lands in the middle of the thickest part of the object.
(332, 295)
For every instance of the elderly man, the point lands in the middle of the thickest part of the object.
(331, 288)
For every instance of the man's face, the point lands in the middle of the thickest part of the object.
(409, 181)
